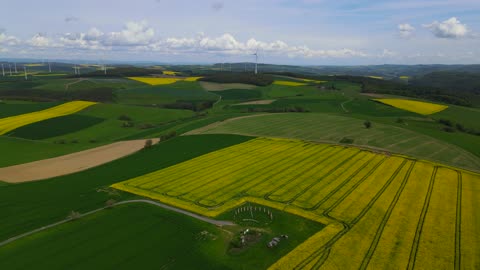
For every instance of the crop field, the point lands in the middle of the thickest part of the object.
(419, 107)
(160, 81)
(381, 211)
(332, 128)
(10, 123)
(213, 86)
(289, 83)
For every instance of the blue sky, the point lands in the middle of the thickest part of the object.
(304, 32)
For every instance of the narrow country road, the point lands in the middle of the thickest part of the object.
(178, 210)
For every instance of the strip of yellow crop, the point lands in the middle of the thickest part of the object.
(289, 83)
(399, 232)
(376, 77)
(307, 248)
(313, 81)
(351, 245)
(162, 80)
(331, 181)
(438, 234)
(10, 123)
(169, 72)
(470, 228)
(419, 107)
(34, 65)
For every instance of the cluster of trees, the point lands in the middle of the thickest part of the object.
(278, 109)
(195, 106)
(127, 71)
(238, 77)
(450, 126)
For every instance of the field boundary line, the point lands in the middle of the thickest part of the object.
(423, 214)
(386, 217)
(159, 204)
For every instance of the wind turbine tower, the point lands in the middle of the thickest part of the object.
(10, 67)
(3, 70)
(25, 69)
(256, 62)
(15, 67)
(49, 67)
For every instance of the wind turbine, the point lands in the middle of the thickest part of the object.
(15, 63)
(3, 70)
(25, 69)
(10, 67)
(49, 67)
(256, 62)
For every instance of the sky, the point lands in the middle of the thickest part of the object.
(300, 32)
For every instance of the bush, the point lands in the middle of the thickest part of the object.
(346, 140)
(128, 124)
(449, 129)
(446, 122)
(124, 117)
(168, 136)
(148, 144)
(367, 124)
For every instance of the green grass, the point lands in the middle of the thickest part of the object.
(239, 94)
(468, 117)
(164, 94)
(143, 236)
(17, 151)
(332, 128)
(12, 108)
(111, 129)
(55, 127)
(30, 205)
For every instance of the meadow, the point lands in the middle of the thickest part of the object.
(333, 128)
(361, 196)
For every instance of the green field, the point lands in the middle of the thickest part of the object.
(55, 127)
(30, 205)
(332, 128)
(14, 107)
(172, 240)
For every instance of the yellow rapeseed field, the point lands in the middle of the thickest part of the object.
(10, 123)
(381, 211)
(376, 77)
(289, 83)
(170, 73)
(161, 81)
(419, 107)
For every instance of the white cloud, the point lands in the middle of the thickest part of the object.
(227, 44)
(3, 50)
(451, 28)
(8, 40)
(40, 40)
(405, 30)
(134, 33)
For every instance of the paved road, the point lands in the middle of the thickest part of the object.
(190, 214)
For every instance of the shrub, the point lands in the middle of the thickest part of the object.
(367, 124)
(346, 140)
(148, 144)
(124, 117)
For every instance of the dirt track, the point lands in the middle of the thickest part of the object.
(70, 163)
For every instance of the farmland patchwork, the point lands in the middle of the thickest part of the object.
(381, 211)
(10, 123)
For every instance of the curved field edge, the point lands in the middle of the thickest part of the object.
(56, 126)
(25, 207)
(368, 198)
(327, 128)
(10, 123)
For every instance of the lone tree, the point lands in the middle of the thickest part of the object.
(148, 144)
(367, 124)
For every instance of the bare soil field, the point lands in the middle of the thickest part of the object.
(71, 163)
